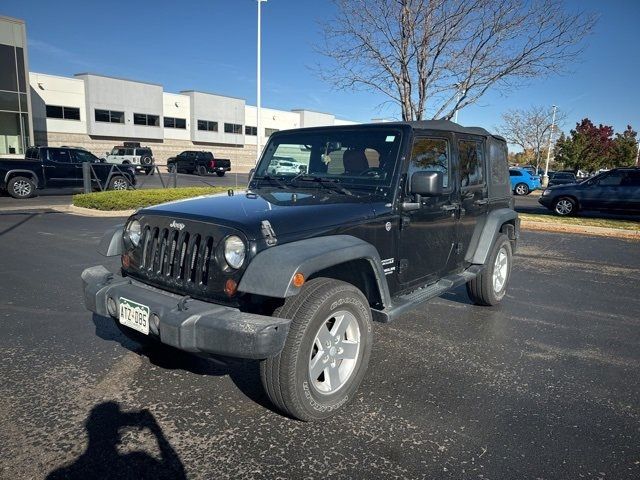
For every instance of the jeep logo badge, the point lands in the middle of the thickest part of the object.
(177, 225)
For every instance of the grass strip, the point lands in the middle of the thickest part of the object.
(582, 221)
(132, 199)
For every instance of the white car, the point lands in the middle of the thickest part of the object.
(286, 165)
(132, 154)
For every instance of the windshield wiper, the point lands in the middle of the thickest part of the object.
(329, 183)
(279, 183)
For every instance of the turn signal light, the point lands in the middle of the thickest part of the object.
(298, 280)
(230, 287)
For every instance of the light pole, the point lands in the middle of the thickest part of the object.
(545, 177)
(258, 74)
(638, 155)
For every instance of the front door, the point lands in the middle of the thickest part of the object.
(428, 234)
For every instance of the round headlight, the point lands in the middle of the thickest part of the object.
(134, 232)
(234, 251)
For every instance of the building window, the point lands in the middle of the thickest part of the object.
(148, 120)
(65, 113)
(207, 126)
(232, 128)
(109, 116)
(270, 131)
(171, 122)
(251, 130)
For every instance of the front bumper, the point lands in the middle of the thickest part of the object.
(187, 324)
(545, 200)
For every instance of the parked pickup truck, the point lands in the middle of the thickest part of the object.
(293, 272)
(51, 167)
(201, 163)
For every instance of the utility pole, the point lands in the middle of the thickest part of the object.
(258, 74)
(545, 177)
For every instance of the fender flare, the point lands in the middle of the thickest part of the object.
(31, 173)
(271, 271)
(485, 236)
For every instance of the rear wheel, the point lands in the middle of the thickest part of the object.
(564, 206)
(490, 287)
(326, 353)
(171, 168)
(220, 174)
(21, 187)
(521, 189)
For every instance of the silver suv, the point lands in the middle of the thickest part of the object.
(132, 154)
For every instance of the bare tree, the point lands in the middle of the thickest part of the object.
(433, 57)
(530, 129)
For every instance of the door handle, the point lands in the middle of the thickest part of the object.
(451, 207)
(481, 202)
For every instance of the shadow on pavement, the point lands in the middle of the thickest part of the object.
(102, 460)
(245, 374)
(28, 216)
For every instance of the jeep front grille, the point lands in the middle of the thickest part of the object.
(177, 257)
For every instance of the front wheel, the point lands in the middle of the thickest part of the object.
(490, 287)
(171, 168)
(326, 353)
(564, 206)
(118, 183)
(521, 189)
(202, 170)
(220, 174)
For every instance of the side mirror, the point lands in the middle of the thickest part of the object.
(428, 184)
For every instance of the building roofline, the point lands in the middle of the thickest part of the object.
(56, 76)
(212, 93)
(309, 110)
(118, 78)
(12, 19)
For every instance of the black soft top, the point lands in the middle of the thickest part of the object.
(443, 125)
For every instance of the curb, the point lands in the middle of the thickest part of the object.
(90, 212)
(580, 229)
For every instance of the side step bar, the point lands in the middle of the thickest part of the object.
(408, 302)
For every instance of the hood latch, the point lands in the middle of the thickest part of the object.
(268, 233)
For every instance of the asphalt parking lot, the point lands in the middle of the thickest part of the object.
(543, 386)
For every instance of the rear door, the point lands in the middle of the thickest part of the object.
(471, 177)
(630, 189)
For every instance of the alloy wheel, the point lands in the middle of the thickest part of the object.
(22, 188)
(334, 353)
(500, 270)
(564, 207)
(119, 184)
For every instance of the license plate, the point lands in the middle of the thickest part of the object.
(134, 315)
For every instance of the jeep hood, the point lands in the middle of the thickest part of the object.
(291, 213)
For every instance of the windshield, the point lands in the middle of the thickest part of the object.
(359, 158)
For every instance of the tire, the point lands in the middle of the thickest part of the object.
(118, 182)
(148, 171)
(521, 189)
(202, 170)
(323, 306)
(171, 168)
(146, 161)
(21, 187)
(220, 174)
(487, 289)
(565, 206)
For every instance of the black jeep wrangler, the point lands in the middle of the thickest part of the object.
(293, 271)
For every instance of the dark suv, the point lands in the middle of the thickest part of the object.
(617, 189)
(53, 167)
(201, 163)
(292, 272)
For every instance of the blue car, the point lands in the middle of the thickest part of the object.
(522, 181)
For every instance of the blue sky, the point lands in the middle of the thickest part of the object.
(210, 46)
